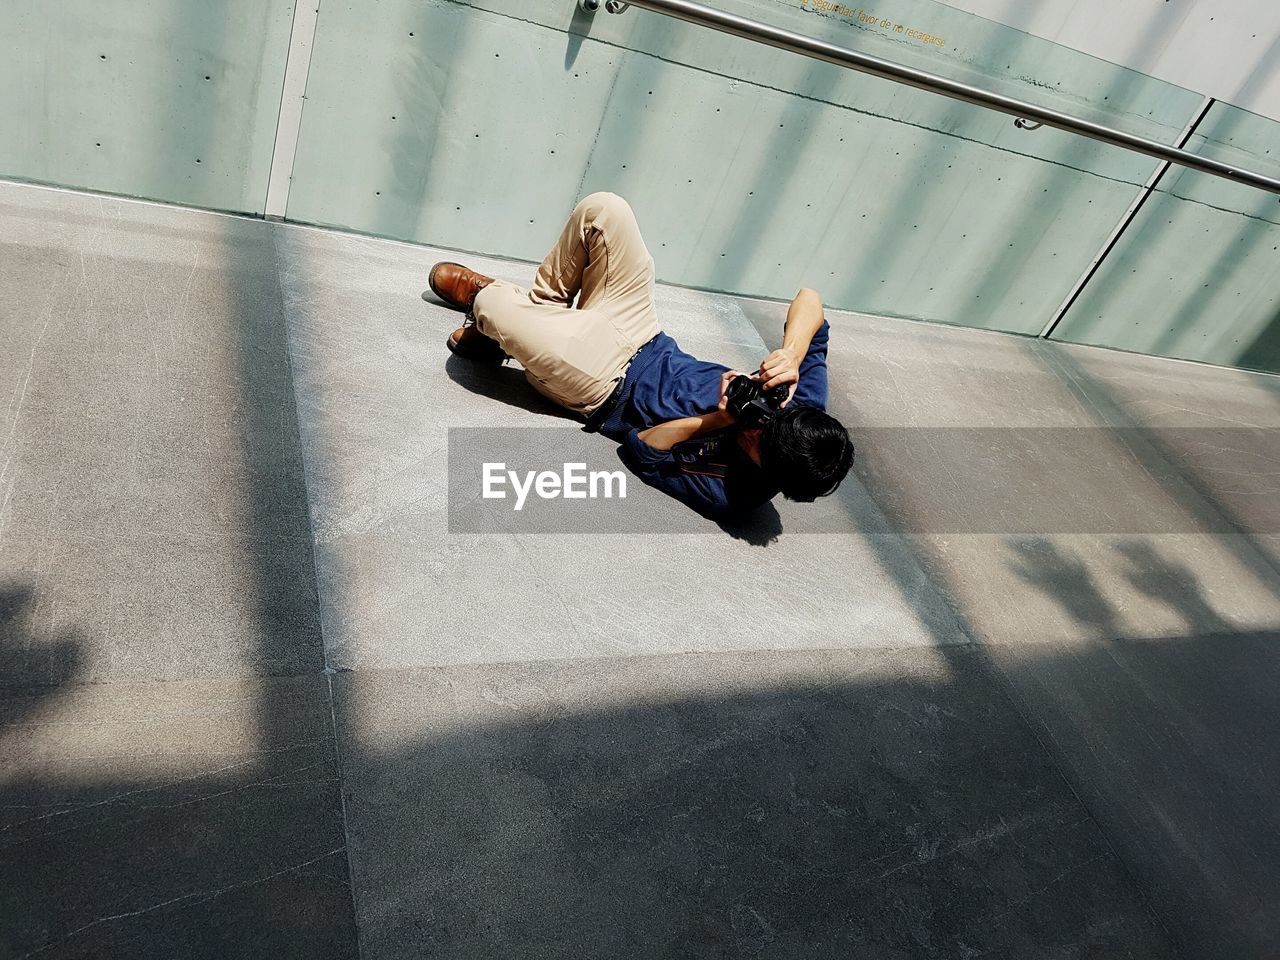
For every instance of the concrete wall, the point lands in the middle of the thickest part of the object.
(752, 171)
(476, 125)
(173, 99)
(1197, 273)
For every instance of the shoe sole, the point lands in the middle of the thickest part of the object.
(454, 349)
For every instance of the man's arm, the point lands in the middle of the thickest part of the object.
(804, 320)
(648, 454)
(664, 436)
(712, 492)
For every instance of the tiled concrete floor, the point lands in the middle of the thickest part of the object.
(1010, 694)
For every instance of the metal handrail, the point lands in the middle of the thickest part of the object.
(737, 26)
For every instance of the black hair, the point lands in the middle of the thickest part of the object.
(806, 452)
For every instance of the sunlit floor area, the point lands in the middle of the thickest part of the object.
(1012, 692)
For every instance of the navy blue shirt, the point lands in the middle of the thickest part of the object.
(711, 473)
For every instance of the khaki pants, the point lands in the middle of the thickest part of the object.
(575, 356)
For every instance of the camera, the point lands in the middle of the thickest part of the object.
(751, 404)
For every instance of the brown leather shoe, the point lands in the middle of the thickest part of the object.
(456, 285)
(470, 344)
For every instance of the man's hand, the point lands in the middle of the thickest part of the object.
(804, 319)
(724, 388)
(781, 366)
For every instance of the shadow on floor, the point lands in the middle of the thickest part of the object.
(53, 659)
(504, 382)
(810, 805)
(872, 804)
(1166, 741)
(194, 811)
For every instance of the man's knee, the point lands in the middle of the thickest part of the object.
(601, 204)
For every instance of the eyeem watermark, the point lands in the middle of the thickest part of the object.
(1016, 482)
(557, 480)
(573, 482)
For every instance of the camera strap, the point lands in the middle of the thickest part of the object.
(704, 456)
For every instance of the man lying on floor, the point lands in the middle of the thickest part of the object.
(682, 426)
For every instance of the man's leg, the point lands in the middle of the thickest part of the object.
(572, 356)
(576, 356)
(600, 253)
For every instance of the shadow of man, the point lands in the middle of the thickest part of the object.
(1173, 584)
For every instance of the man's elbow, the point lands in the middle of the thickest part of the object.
(806, 295)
